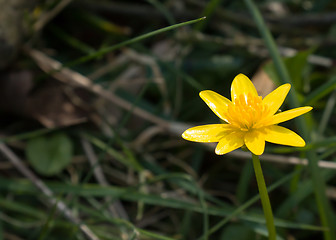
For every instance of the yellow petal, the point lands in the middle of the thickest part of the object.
(255, 141)
(242, 85)
(206, 133)
(284, 136)
(230, 142)
(275, 99)
(216, 102)
(287, 115)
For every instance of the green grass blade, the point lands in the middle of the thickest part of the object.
(1, 231)
(187, 78)
(103, 51)
(71, 41)
(244, 181)
(327, 113)
(130, 162)
(205, 214)
(21, 208)
(320, 92)
(122, 223)
(28, 135)
(98, 22)
(47, 225)
(295, 198)
(318, 182)
(161, 7)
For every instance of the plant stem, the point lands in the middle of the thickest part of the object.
(265, 202)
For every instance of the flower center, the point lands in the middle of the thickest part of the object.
(247, 112)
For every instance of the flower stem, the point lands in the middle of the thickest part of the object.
(265, 202)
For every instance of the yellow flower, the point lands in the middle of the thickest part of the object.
(249, 119)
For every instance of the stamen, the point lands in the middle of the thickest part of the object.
(247, 112)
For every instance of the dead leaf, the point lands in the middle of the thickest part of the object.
(53, 108)
(262, 82)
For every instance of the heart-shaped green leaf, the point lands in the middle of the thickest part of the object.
(49, 155)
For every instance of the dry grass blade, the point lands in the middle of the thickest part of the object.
(282, 159)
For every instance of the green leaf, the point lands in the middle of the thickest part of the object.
(295, 66)
(49, 155)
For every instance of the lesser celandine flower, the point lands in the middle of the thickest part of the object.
(249, 119)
